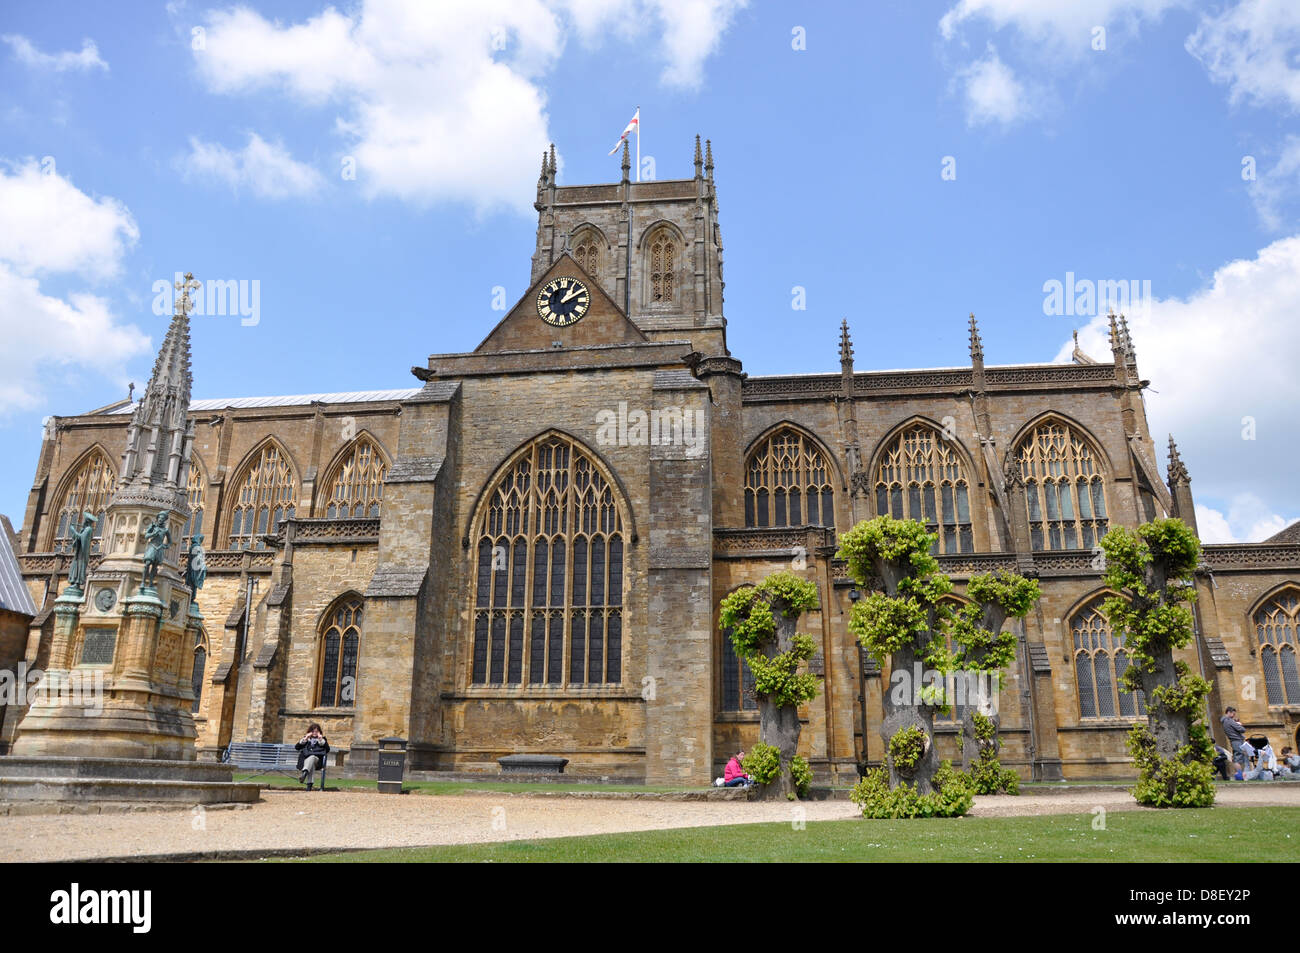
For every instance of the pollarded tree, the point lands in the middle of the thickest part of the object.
(981, 654)
(763, 620)
(904, 624)
(1152, 570)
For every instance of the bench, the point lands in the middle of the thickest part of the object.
(532, 764)
(266, 758)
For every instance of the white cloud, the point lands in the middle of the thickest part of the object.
(1248, 520)
(1064, 24)
(49, 227)
(1273, 190)
(1224, 376)
(441, 102)
(992, 92)
(1253, 48)
(265, 169)
(27, 54)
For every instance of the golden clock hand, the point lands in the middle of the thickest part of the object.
(577, 289)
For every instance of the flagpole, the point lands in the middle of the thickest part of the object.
(638, 143)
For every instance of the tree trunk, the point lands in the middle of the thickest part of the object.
(779, 724)
(1172, 730)
(903, 708)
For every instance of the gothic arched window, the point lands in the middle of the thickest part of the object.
(265, 498)
(1099, 663)
(920, 477)
(788, 482)
(661, 259)
(340, 642)
(1277, 626)
(194, 500)
(586, 252)
(1065, 490)
(737, 679)
(357, 484)
(549, 580)
(88, 491)
(200, 663)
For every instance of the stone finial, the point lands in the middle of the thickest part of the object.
(1077, 354)
(976, 344)
(1011, 475)
(699, 158)
(627, 163)
(1114, 332)
(708, 157)
(1177, 469)
(846, 345)
(1126, 341)
(551, 174)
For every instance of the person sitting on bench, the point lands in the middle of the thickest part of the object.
(311, 753)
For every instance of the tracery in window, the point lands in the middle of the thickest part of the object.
(662, 258)
(1064, 489)
(1276, 625)
(340, 642)
(920, 477)
(1099, 662)
(265, 498)
(88, 492)
(357, 484)
(194, 499)
(549, 580)
(788, 482)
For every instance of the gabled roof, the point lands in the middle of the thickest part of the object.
(1290, 535)
(13, 593)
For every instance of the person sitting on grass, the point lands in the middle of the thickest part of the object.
(1288, 765)
(311, 754)
(734, 776)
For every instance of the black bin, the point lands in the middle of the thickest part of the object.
(392, 764)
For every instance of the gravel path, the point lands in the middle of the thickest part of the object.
(293, 819)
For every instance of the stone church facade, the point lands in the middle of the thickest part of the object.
(525, 553)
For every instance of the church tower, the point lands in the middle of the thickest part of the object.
(653, 246)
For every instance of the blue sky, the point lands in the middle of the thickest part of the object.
(1138, 140)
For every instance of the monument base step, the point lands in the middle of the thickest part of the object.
(61, 779)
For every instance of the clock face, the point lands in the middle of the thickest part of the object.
(563, 301)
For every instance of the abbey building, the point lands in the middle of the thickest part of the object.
(525, 552)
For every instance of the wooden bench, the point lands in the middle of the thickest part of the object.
(267, 758)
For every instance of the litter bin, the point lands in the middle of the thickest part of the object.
(392, 764)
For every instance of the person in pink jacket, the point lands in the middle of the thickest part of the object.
(734, 775)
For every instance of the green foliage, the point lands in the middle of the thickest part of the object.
(904, 543)
(986, 730)
(906, 748)
(989, 777)
(952, 795)
(750, 615)
(778, 677)
(762, 763)
(801, 775)
(1152, 568)
(1185, 780)
(999, 595)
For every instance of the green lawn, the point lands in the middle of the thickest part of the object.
(1216, 834)
(457, 787)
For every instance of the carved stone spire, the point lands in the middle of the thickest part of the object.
(1177, 469)
(550, 176)
(627, 163)
(541, 179)
(699, 159)
(1126, 341)
(846, 347)
(976, 345)
(708, 158)
(158, 439)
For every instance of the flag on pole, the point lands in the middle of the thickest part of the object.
(633, 126)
